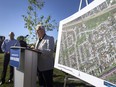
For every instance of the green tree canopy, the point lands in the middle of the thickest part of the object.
(32, 19)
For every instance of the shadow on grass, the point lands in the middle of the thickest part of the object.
(59, 81)
(57, 84)
(7, 85)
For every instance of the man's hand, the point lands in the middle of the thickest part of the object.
(7, 52)
(37, 50)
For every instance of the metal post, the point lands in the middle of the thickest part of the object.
(65, 79)
(80, 5)
(86, 2)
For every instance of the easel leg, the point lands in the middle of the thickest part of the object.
(65, 79)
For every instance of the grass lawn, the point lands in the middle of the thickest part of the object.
(58, 78)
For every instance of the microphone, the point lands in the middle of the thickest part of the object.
(26, 36)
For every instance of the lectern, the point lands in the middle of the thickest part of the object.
(24, 62)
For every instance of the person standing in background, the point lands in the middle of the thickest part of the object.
(45, 45)
(22, 41)
(6, 49)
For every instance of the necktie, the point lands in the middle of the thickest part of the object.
(38, 42)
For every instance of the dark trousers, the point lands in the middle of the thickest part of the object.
(5, 65)
(45, 78)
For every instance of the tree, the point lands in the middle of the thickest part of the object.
(32, 19)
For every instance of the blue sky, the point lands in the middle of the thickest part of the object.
(11, 11)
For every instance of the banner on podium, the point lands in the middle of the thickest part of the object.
(15, 57)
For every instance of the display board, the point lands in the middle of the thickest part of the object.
(86, 46)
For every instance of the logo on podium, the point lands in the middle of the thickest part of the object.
(15, 57)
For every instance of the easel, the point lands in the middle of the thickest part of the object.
(69, 77)
(72, 78)
(80, 5)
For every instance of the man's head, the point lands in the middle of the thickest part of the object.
(21, 37)
(40, 30)
(11, 34)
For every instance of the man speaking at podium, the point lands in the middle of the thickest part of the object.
(45, 44)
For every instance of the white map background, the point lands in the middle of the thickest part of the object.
(88, 43)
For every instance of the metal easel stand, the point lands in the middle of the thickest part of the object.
(72, 78)
(69, 77)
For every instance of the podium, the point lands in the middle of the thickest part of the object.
(24, 62)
